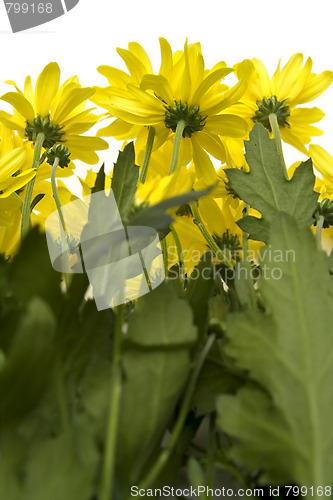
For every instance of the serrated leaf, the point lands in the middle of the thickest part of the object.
(285, 432)
(125, 179)
(257, 228)
(265, 187)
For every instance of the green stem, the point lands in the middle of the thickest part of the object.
(245, 245)
(176, 145)
(277, 137)
(179, 251)
(164, 249)
(176, 431)
(26, 211)
(319, 228)
(219, 254)
(147, 155)
(108, 470)
(64, 241)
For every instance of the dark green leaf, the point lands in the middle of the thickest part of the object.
(265, 187)
(125, 179)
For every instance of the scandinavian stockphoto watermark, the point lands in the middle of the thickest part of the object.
(123, 263)
(28, 14)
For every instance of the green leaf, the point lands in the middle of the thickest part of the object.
(265, 187)
(156, 368)
(61, 468)
(125, 179)
(27, 364)
(100, 181)
(257, 228)
(162, 319)
(31, 273)
(285, 430)
(156, 217)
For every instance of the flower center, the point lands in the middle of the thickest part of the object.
(324, 209)
(189, 114)
(52, 131)
(229, 242)
(268, 106)
(58, 151)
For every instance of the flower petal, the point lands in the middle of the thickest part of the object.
(73, 100)
(166, 57)
(203, 166)
(316, 85)
(160, 85)
(46, 88)
(12, 122)
(114, 76)
(18, 182)
(322, 161)
(208, 82)
(212, 144)
(229, 125)
(20, 103)
(142, 55)
(12, 162)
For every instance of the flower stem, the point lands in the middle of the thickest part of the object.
(179, 251)
(26, 210)
(176, 431)
(176, 145)
(319, 229)
(114, 412)
(147, 155)
(164, 249)
(277, 137)
(219, 254)
(63, 234)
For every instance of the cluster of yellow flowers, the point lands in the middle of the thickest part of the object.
(188, 124)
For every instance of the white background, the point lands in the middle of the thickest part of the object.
(88, 35)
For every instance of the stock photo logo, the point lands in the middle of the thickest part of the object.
(24, 15)
(123, 263)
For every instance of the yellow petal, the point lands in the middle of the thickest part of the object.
(12, 162)
(203, 165)
(12, 122)
(73, 100)
(212, 144)
(142, 55)
(208, 82)
(315, 86)
(119, 129)
(285, 80)
(134, 65)
(322, 161)
(18, 182)
(114, 76)
(229, 125)
(265, 82)
(160, 85)
(46, 88)
(21, 104)
(166, 58)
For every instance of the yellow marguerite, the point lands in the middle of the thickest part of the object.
(56, 111)
(184, 100)
(292, 85)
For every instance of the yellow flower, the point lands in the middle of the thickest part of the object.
(57, 111)
(289, 87)
(183, 97)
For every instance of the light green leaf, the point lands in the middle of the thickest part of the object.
(286, 432)
(265, 187)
